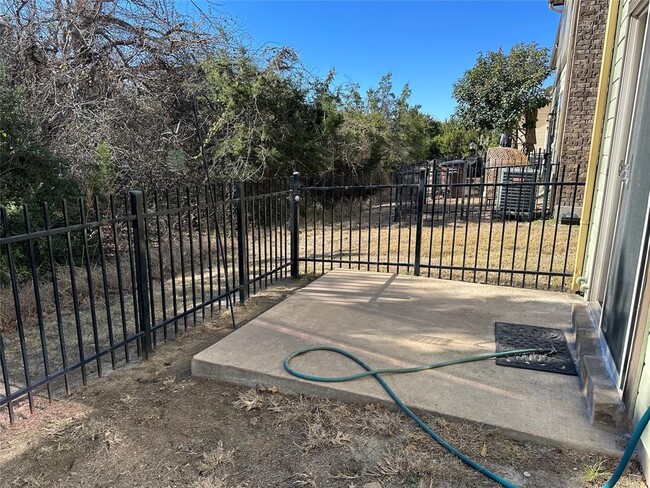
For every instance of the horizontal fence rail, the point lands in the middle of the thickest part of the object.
(85, 287)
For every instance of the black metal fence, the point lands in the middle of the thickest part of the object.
(88, 286)
(84, 289)
(502, 227)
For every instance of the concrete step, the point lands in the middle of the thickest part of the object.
(606, 410)
(586, 337)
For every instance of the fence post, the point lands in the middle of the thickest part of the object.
(242, 240)
(142, 280)
(295, 200)
(422, 180)
(3, 359)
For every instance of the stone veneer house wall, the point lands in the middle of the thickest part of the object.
(576, 58)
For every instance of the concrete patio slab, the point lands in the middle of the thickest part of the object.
(391, 320)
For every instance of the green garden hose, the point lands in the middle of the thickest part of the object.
(376, 373)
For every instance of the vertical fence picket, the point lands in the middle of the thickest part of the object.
(422, 177)
(557, 201)
(433, 189)
(467, 193)
(360, 218)
(37, 298)
(142, 279)
(209, 209)
(265, 224)
(390, 226)
(254, 234)
(295, 212)
(55, 292)
(369, 237)
(161, 270)
(242, 241)
(172, 259)
(8, 400)
(199, 228)
(75, 296)
(285, 216)
(19, 316)
(574, 193)
(107, 297)
(277, 231)
(457, 190)
(261, 235)
(120, 280)
(150, 260)
(190, 231)
(412, 192)
(399, 198)
(530, 225)
(224, 229)
(181, 254)
(350, 212)
(379, 218)
(219, 249)
(478, 230)
(91, 286)
(492, 213)
(128, 210)
(231, 217)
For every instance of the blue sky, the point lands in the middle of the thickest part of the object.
(428, 43)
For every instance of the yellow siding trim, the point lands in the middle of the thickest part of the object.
(596, 134)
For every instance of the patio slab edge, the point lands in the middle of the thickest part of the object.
(204, 366)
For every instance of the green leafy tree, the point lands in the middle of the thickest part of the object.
(256, 117)
(381, 130)
(503, 91)
(454, 139)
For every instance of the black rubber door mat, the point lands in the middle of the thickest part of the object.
(518, 336)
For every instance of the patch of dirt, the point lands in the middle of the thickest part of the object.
(153, 425)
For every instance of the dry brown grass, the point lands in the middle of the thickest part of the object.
(518, 248)
(382, 445)
(170, 262)
(27, 296)
(217, 462)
